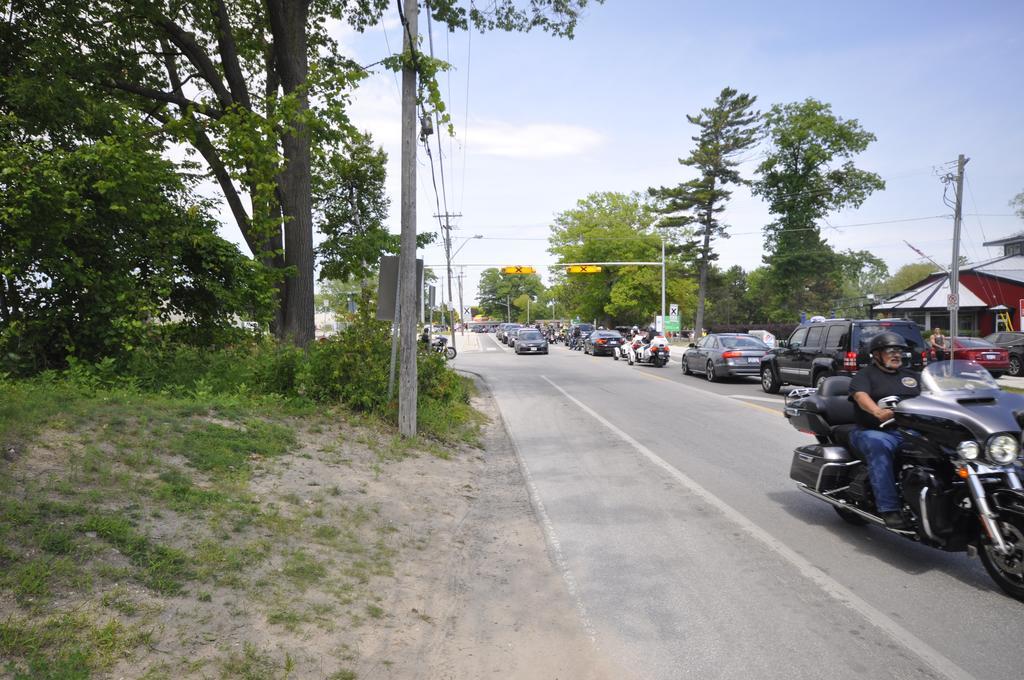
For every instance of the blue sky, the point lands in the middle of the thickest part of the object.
(548, 121)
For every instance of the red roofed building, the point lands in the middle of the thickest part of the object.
(989, 291)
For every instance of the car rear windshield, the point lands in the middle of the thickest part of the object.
(862, 333)
(741, 342)
(586, 327)
(529, 335)
(606, 334)
(973, 342)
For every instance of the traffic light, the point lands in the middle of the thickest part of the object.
(519, 270)
(583, 269)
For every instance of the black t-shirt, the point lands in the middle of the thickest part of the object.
(878, 384)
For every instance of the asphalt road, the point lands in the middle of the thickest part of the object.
(668, 509)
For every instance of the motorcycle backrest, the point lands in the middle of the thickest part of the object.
(835, 386)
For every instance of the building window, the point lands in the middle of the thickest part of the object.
(1014, 248)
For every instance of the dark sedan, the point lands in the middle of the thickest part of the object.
(531, 341)
(1012, 342)
(602, 342)
(724, 355)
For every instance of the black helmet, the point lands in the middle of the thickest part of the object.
(652, 329)
(887, 340)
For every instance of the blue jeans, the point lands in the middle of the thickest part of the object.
(879, 448)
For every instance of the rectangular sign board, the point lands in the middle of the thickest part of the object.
(387, 288)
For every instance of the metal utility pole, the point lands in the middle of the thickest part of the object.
(953, 303)
(407, 254)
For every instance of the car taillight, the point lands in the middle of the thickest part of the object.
(601, 341)
(731, 355)
(924, 358)
(850, 361)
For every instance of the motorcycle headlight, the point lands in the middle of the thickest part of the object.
(969, 450)
(1002, 449)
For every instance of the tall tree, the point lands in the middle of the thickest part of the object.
(498, 292)
(726, 130)
(908, 275)
(808, 173)
(1018, 203)
(258, 89)
(615, 227)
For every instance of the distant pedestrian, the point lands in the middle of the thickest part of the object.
(938, 343)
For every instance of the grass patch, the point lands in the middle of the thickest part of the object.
(162, 568)
(67, 646)
(215, 448)
(303, 569)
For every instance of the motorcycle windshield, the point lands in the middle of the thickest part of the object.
(956, 376)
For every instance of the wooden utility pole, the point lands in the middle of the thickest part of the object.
(407, 254)
(953, 303)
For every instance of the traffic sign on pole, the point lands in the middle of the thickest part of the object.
(518, 269)
(583, 269)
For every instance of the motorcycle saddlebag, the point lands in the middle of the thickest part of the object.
(807, 415)
(822, 468)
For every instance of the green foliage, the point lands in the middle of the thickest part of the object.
(1018, 204)
(908, 275)
(496, 291)
(807, 173)
(99, 242)
(607, 227)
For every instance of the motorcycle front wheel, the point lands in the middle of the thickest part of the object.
(449, 353)
(1006, 570)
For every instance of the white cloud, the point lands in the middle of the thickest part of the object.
(536, 140)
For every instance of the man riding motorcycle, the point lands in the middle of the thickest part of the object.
(884, 377)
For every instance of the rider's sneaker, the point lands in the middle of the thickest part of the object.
(895, 520)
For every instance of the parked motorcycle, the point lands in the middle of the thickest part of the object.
(958, 471)
(440, 345)
(654, 353)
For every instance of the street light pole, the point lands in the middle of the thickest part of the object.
(663, 285)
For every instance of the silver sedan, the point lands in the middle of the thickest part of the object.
(724, 355)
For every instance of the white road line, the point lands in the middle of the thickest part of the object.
(490, 349)
(773, 400)
(833, 588)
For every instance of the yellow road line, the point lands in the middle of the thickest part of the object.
(738, 401)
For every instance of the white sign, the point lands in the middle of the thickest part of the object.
(952, 301)
(673, 311)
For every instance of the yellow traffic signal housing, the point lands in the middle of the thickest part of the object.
(519, 270)
(583, 269)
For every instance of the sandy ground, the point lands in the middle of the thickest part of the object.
(430, 568)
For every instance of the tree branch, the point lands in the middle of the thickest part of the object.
(229, 56)
(186, 42)
(167, 97)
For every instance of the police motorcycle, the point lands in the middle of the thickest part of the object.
(623, 351)
(958, 471)
(653, 353)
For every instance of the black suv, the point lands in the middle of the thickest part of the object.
(834, 347)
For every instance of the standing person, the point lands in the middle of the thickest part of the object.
(884, 377)
(937, 342)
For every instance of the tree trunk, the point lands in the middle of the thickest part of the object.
(288, 26)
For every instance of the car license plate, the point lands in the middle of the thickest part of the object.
(534, 349)
(991, 356)
(753, 360)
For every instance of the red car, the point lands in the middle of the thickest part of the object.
(993, 358)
